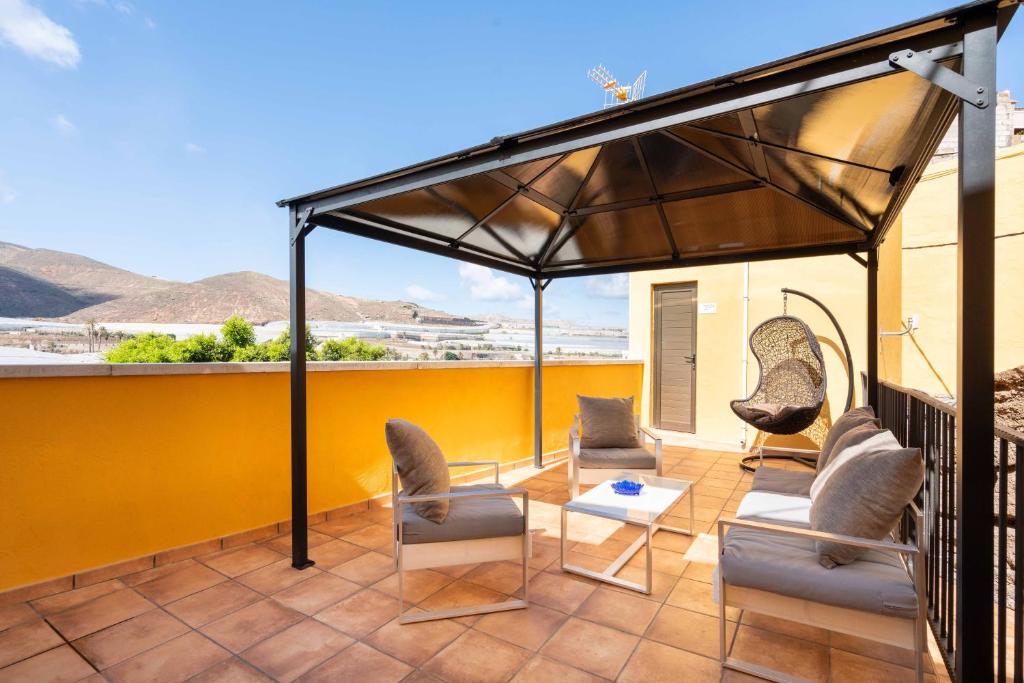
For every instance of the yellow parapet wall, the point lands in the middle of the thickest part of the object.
(98, 465)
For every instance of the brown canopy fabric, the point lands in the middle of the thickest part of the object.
(808, 155)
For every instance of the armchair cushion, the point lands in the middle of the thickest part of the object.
(607, 422)
(877, 582)
(617, 458)
(422, 468)
(786, 482)
(468, 518)
(847, 421)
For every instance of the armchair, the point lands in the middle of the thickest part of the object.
(595, 465)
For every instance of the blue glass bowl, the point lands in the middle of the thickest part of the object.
(627, 488)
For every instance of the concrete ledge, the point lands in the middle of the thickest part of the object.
(149, 369)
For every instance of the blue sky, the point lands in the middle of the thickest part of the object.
(157, 136)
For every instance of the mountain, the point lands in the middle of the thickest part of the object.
(42, 283)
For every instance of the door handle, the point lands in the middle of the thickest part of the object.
(692, 359)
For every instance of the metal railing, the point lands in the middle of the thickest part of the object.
(922, 421)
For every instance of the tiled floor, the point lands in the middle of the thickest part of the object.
(245, 615)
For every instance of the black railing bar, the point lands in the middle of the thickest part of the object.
(1018, 585)
(1001, 569)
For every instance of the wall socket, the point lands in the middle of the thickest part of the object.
(913, 321)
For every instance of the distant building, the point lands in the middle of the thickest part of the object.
(1009, 128)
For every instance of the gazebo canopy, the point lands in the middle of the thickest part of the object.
(808, 155)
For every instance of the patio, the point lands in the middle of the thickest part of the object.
(242, 613)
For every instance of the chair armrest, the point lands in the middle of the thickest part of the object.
(854, 541)
(646, 431)
(653, 437)
(451, 495)
(470, 463)
(574, 438)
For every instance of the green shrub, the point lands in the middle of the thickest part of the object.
(351, 349)
(251, 354)
(145, 348)
(238, 332)
(201, 348)
(451, 355)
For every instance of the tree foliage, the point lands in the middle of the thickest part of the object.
(351, 349)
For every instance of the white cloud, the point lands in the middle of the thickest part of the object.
(150, 24)
(484, 285)
(421, 293)
(193, 148)
(28, 29)
(609, 286)
(63, 125)
(124, 7)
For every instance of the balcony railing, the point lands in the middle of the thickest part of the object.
(922, 421)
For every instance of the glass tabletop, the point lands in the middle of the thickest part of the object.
(655, 498)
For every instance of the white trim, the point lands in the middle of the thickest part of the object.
(449, 553)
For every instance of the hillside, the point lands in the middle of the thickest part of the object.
(43, 283)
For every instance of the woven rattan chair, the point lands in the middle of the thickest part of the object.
(791, 388)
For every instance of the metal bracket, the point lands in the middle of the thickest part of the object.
(301, 226)
(538, 281)
(859, 259)
(927, 68)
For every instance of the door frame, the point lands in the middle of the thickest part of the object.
(656, 352)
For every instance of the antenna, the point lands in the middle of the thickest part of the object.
(615, 94)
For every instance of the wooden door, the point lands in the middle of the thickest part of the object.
(675, 360)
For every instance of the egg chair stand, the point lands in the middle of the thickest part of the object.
(791, 386)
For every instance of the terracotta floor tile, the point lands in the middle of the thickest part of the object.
(313, 595)
(503, 577)
(334, 552)
(456, 571)
(283, 543)
(461, 593)
(18, 613)
(361, 614)
(544, 555)
(417, 642)
(366, 569)
(231, 670)
(276, 577)
(100, 613)
(120, 642)
(661, 584)
(792, 656)
(559, 591)
(869, 648)
(698, 597)
(238, 561)
(249, 625)
(213, 603)
(340, 526)
(371, 537)
(668, 562)
(420, 676)
(59, 665)
(847, 667)
(668, 540)
(190, 578)
(297, 649)
(55, 604)
(155, 573)
(656, 663)
(786, 627)
(477, 657)
(26, 640)
(418, 585)
(543, 670)
(691, 631)
(175, 660)
(591, 647)
(607, 548)
(629, 613)
(529, 628)
(359, 663)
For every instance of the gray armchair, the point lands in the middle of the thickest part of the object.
(595, 465)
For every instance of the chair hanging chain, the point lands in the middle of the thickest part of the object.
(785, 303)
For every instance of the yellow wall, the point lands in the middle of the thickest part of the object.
(101, 469)
(838, 281)
(929, 267)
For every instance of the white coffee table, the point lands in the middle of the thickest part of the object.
(645, 510)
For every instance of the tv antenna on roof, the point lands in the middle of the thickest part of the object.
(614, 93)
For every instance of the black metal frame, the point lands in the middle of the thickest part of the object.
(969, 32)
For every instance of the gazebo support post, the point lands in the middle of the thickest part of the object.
(298, 228)
(975, 413)
(538, 366)
(872, 325)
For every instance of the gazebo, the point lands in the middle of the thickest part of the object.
(810, 155)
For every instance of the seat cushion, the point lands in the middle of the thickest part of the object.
(607, 422)
(865, 497)
(775, 508)
(877, 582)
(468, 518)
(422, 468)
(844, 423)
(778, 480)
(617, 458)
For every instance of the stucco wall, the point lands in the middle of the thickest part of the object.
(99, 468)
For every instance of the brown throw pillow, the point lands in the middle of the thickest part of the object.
(864, 497)
(607, 422)
(857, 441)
(844, 423)
(422, 468)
